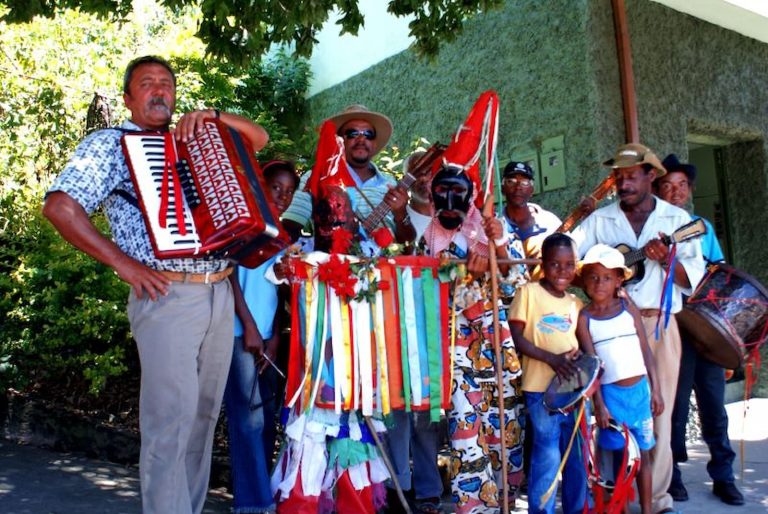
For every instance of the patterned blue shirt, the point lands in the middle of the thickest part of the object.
(91, 176)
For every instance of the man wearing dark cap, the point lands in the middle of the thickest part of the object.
(365, 133)
(528, 221)
(696, 372)
(638, 219)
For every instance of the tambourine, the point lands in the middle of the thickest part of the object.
(605, 464)
(563, 395)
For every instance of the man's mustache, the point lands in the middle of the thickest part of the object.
(158, 100)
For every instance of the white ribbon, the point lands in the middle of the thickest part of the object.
(412, 336)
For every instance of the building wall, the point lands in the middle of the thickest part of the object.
(693, 77)
(532, 53)
(382, 36)
(554, 66)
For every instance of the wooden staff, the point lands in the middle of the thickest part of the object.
(488, 213)
(512, 262)
(388, 464)
(601, 191)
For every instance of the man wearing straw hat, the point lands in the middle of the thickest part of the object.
(365, 133)
(637, 219)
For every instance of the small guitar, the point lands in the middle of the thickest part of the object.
(425, 161)
(634, 257)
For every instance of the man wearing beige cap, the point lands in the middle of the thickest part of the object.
(638, 220)
(365, 133)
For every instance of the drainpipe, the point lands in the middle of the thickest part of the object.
(628, 98)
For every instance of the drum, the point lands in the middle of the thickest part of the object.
(605, 465)
(726, 316)
(563, 395)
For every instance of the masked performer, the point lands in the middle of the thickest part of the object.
(329, 461)
(458, 230)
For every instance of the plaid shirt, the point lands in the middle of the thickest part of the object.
(91, 176)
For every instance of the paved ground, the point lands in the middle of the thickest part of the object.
(38, 481)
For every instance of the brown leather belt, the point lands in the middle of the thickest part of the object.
(649, 313)
(197, 278)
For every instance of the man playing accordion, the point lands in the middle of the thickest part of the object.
(180, 310)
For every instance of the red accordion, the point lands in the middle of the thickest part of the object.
(206, 197)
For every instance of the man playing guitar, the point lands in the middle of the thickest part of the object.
(637, 219)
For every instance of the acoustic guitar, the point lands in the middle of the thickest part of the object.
(634, 258)
(425, 162)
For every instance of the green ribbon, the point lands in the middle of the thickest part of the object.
(316, 369)
(348, 452)
(432, 312)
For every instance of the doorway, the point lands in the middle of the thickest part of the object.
(710, 194)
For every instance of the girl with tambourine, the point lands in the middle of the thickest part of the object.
(610, 326)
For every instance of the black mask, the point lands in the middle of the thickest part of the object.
(451, 194)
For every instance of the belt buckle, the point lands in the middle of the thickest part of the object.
(207, 277)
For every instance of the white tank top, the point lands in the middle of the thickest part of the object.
(616, 342)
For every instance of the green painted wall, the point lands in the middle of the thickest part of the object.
(534, 54)
(693, 77)
(555, 68)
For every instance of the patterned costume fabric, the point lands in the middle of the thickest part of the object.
(473, 420)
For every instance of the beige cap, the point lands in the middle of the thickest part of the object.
(633, 154)
(606, 255)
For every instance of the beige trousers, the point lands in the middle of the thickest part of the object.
(185, 347)
(667, 351)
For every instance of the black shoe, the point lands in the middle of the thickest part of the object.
(678, 492)
(728, 493)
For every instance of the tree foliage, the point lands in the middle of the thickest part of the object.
(62, 314)
(240, 30)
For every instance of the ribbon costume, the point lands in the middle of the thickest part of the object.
(368, 335)
(328, 462)
(457, 231)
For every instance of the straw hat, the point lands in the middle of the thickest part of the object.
(381, 124)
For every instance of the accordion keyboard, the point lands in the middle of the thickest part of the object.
(148, 158)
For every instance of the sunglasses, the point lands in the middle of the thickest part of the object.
(368, 134)
(514, 181)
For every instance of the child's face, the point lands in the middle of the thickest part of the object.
(559, 264)
(282, 186)
(600, 282)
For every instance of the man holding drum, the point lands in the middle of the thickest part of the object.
(696, 372)
(638, 219)
(180, 310)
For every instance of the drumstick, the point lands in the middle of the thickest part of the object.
(273, 365)
(488, 213)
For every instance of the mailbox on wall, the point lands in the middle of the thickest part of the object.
(552, 163)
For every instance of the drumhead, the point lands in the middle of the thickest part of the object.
(604, 465)
(728, 310)
(563, 395)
